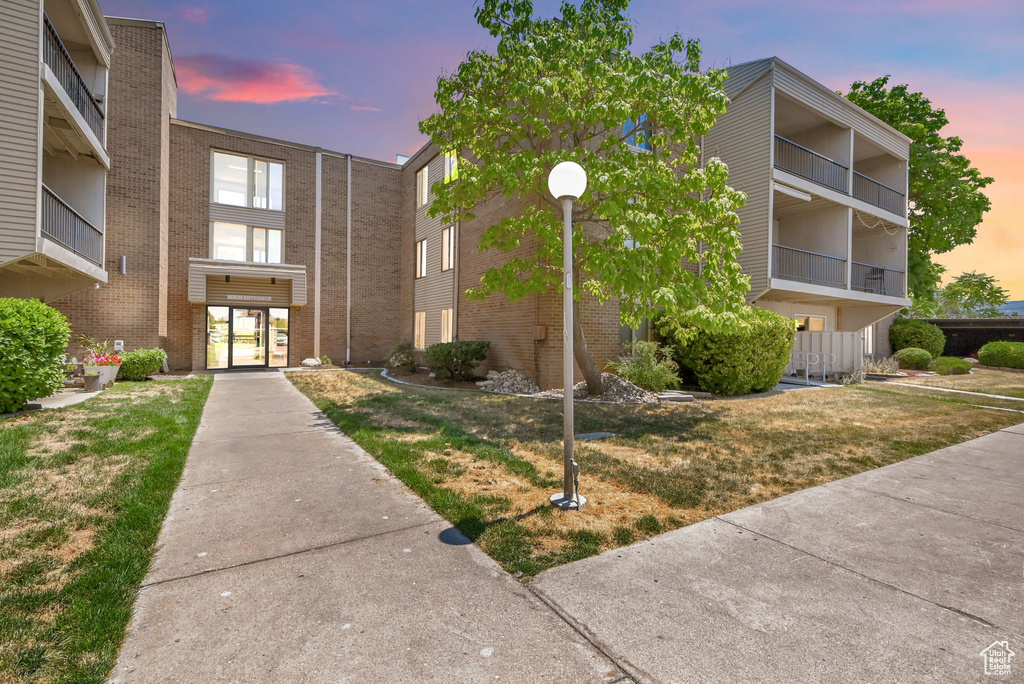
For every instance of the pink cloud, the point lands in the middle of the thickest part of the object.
(194, 14)
(230, 79)
(365, 108)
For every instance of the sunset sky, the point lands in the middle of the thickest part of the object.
(357, 77)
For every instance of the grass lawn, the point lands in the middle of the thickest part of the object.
(980, 380)
(488, 462)
(83, 492)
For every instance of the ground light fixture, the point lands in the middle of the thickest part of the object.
(567, 181)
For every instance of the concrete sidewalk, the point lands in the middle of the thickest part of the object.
(900, 574)
(289, 555)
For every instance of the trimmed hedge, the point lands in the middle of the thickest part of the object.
(455, 360)
(33, 337)
(950, 365)
(1002, 354)
(141, 363)
(748, 359)
(913, 358)
(909, 332)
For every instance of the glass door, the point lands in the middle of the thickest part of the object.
(248, 337)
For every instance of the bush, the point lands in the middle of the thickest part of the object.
(748, 359)
(950, 365)
(455, 360)
(1002, 354)
(647, 366)
(402, 358)
(881, 364)
(141, 363)
(909, 332)
(33, 337)
(913, 358)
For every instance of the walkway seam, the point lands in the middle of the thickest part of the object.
(933, 508)
(836, 564)
(271, 434)
(940, 466)
(947, 389)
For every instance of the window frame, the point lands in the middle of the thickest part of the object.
(448, 248)
(250, 179)
(807, 317)
(249, 243)
(419, 331)
(451, 166)
(421, 259)
(423, 186)
(447, 325)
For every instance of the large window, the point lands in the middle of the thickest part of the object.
(237, 242)
(446, 325)
(810, 323)
(421, 258)
(422, 186)
(448, 248)
(419, 332)
(242, 181)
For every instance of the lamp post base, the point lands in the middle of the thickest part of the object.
(559, 501)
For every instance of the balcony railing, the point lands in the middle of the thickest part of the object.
(66, 226)
(873, 192)
(63, 67)
(809, 164)
(877, 280)
(808, 267)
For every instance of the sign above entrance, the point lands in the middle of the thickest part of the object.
(248, 298)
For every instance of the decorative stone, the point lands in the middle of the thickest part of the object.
(311, 363)
(485, 383)
(675, 395)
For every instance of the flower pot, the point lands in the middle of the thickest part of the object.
(106, 373)
(92, 383)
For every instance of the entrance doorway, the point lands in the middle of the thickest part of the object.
(246, 337)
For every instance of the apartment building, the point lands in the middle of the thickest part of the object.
(54, 64)
(233, 250)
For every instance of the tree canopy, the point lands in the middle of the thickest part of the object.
(569, 88)
(945, 197)
(969, 295)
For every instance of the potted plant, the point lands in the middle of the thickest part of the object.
(99, 358)
(92, 381)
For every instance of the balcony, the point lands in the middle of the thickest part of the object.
(877, 280)
(57, 57)
(800, 161)
(67, 227)
(878, 194)
(808, 267)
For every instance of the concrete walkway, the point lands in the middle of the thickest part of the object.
(289, 555)
(901, 574)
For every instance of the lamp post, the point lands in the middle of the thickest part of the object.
(567, 181)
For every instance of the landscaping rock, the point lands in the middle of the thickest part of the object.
(674, 395)
(616, 390)
(485, 383)
(511, 382)
(311, 363)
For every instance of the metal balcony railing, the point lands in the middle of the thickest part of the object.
(808, 267)
(63, 67)
(877, 280)
(873, 192)
(66, 226)
(808, 164)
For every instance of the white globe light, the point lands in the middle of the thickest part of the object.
(567, 179)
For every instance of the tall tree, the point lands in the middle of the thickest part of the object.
(973, 295)
(569, 88)
(946, 202)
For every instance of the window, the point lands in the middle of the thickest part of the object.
(421, 258)
(810, 323)
(446, 325)
(451, 166)
(419, 333)
(638, 139)
(237, 242)
(869, 340)
(448, 248)
(247, 182)
(422, 186)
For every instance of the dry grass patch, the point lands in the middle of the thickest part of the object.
(488, 462)
(980, 380)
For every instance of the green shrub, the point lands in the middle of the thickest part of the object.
(455, 360)
(950, 365)
(750, 358)
(647, 366)
(909, 332)
(913, 358)
(402, 358)
(33, 337)
(1002, 354)
(141, 363)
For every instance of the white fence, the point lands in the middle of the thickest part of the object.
(825, 353)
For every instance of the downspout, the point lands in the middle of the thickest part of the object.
(348, 263)
(317, 268)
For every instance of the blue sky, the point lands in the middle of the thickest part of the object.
(357, 77)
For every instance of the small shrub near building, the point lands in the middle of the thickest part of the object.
(141, 363)
(648, 366)
(886, 365)
(455, 360)
(908, 332)
(1002, 354)
(401, 358)
(950, 365)
(748, 359)
(913, 358)
(33, 337)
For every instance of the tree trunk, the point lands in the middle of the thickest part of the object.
(591, 373)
